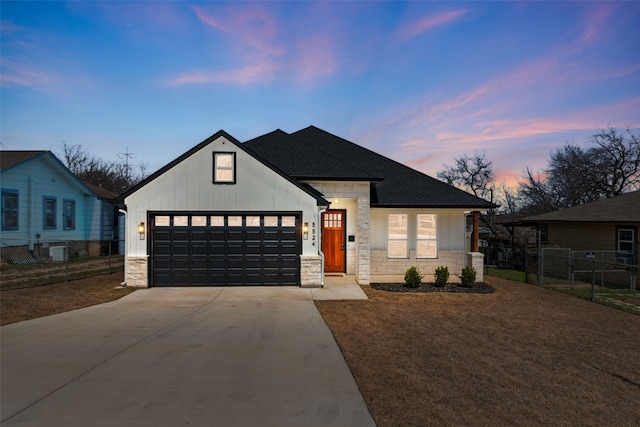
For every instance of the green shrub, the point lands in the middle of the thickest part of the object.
(441, 275)
(412, 278)
(468, 277)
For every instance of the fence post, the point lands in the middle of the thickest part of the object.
(110, 242)
(593, 281)
(67, 255)
(540, 257)
(572, 269)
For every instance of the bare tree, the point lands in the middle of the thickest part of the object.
(617, 158)
(575, 176)
(113, 176)
(474, 174)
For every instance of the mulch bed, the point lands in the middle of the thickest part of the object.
(478, 288)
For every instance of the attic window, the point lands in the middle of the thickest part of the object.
(224, 168)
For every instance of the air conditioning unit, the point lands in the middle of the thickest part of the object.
(58, 253)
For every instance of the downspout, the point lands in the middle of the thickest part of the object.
(126, 247)
(30, 222)
(320, 212)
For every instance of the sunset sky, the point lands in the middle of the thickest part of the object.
(420, 82)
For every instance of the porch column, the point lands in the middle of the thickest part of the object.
(363, 237)
(475, 236)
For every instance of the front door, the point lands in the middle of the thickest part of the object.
(333, 241)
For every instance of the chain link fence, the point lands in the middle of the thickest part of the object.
(31, 262)
(572, 268)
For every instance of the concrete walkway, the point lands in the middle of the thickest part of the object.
(170, 357)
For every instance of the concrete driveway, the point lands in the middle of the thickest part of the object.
(171, 357)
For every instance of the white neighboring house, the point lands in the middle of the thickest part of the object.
(285, 209)
(44, 202)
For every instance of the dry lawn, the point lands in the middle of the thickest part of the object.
(29, 303)
(520, 356)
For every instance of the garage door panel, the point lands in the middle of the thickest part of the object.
(270, 262)
(163, 249)
(216, 254)
(181, 234)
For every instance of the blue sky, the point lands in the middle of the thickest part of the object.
(420, 82)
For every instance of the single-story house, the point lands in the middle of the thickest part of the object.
(44, 205)
(286, 209)
(610, 226)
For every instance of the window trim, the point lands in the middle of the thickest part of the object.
(406, 238)
(6, 191)
(216, 167)
(45, 199)
(73, 214)
(633, 237)
(544, 233)
(434, 239)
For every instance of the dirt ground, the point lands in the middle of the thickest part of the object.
(23, 276)
(29, 303)
(522, 355)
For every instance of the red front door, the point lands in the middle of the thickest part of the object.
(333, 244)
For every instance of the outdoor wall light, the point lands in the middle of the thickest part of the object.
(305, 231)
(141, 230)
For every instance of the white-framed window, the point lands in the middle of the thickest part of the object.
(49, 213)
(224, 168)
(625, 240)
(10, 209)
(69, 214)
(426, 238)
(397, 233)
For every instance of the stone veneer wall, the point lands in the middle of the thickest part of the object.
(360, 192)
(382, 265)
(310, 271)
(476, 261)
(137, 271)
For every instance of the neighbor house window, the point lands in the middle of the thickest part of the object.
(9, 209)
(626, 238)
(224, 168)
(397, 236)
(49, 213)
(544, 233)
(426, 246)
(69, 214)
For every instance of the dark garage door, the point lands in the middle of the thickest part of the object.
(225, 249)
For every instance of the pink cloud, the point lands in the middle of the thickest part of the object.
(253, 45)
(427, 23)
(596, 22)
(315, 58)
(18, 74)
(250, 74)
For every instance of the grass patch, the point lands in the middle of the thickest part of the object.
(519, 276)
(621, 299)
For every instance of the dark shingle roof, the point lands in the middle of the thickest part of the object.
(314, 153)
(304, 161)
(622, 208)
(11, 158)
(103, 193)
